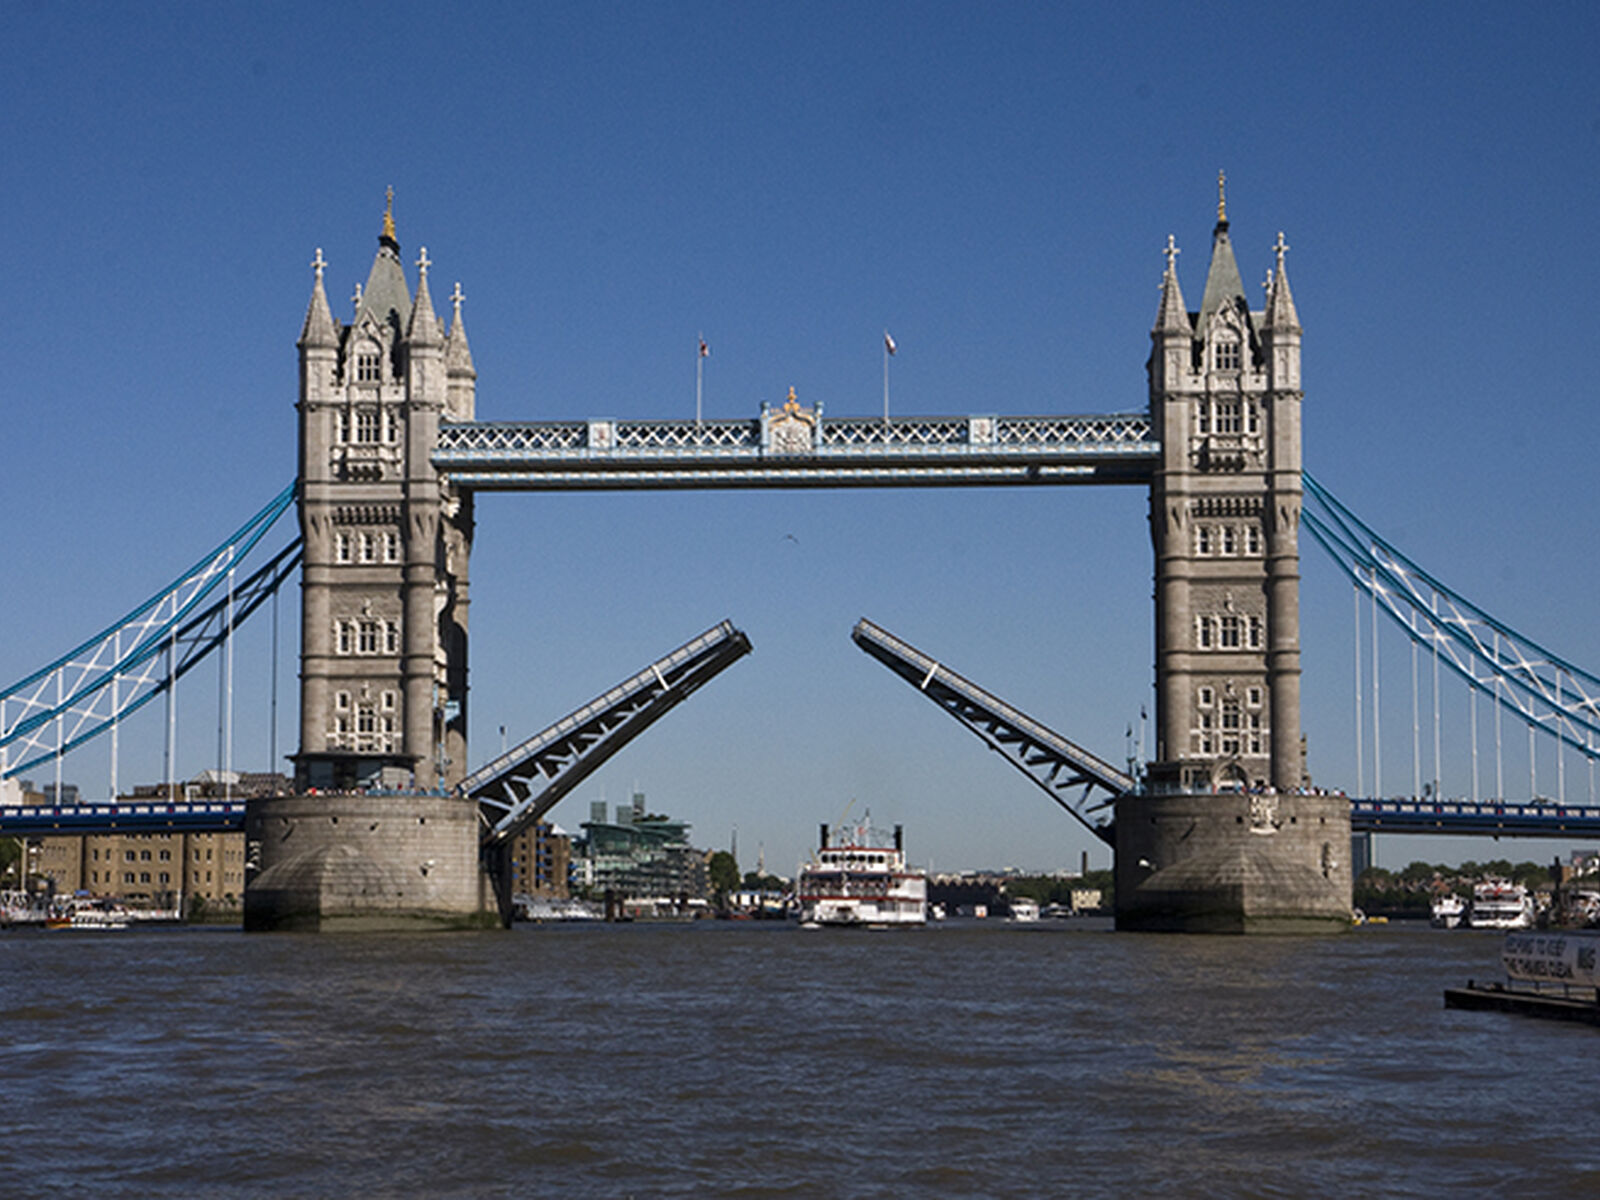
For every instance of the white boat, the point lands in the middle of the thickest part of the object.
(1448, 911)
(1497, 904)
(857, 878)
(1024, 909)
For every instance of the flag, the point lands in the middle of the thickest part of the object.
(888, 342)
(705, 350)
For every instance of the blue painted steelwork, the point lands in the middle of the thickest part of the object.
(1546, 691)
(797, 447)
(1044, 756)
(100, 706)
(1468, 817)
(143, 816)
(90, 688)
(517, 788)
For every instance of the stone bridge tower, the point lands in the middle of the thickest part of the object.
(383, 688)
(1224, 517)
(1226, 834)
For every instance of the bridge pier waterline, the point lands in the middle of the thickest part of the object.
(1233, 862)
(366, 862)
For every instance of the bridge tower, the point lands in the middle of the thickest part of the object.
(1225, 834)
(371, 838)
(383, 689)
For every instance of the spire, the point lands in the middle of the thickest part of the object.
(424, 327)
(318, 329)
(457, 354)
(1280, 301)
(386, 298)
(1224, 288)
(387, 237)
(1172, 317)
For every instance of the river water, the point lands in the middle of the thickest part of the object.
(731, 1059)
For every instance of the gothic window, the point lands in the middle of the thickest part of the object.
(1207, 697)
(1230, 541)
(1254, 633)
(341, 544)
(1252, 539)
(1203, 633)
(367, 639)
(391, 546)
(391, 638)
(368, 550)
(391, 426)
(1253, 728)
(388, 702)
(367, 366)
(1202, 539)
(1226, 354)
(1202, 417)
(1230, 727)
(367, 425)
(344, 634)
(343, 434)
(1252, 419)
(1228, 631)
(1253, 697)
(1227, 416)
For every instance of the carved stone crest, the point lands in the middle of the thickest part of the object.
(790, 429)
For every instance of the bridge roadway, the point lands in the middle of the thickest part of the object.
(1454, 818)
(791, 446)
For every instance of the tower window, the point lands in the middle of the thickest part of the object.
(367, 425)
(341, 544)
(1226, 355)
(1228, 631)
(1228, 416)
(391, 546)
(1230, 541)
(1202, 539)
(367, 367)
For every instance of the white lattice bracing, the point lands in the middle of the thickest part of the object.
(1547, 692)
(821, 451)
(75, 697)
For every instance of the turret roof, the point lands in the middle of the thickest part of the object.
(318, 329)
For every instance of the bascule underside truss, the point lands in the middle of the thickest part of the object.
(1044, 756)
(522, 784)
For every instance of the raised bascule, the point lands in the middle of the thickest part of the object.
(1222, 832)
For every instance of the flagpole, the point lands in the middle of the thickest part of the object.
(699, 378)
(888, 349)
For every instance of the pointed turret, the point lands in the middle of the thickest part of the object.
(1224, 288)
(1172, 317)
(460, 374)
(1280, 330)
(424, 328)
(386, 298)
(1280, 301)
(318, 330)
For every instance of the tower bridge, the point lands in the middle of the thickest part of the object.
(1220, 830)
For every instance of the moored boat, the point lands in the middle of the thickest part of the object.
(1447, 911)
(1499, 904)
(857, 878)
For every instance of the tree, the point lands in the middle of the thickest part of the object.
(723, 872)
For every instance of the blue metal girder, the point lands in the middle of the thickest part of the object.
(1044, 756)
(141, 678)
(88, 689)
(1474, 818)
(143, 816)
(516, 789)
(794, 448)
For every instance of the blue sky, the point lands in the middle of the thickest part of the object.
(993, 183)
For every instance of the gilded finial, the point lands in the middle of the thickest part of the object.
(388, 216)
(1222, 198)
